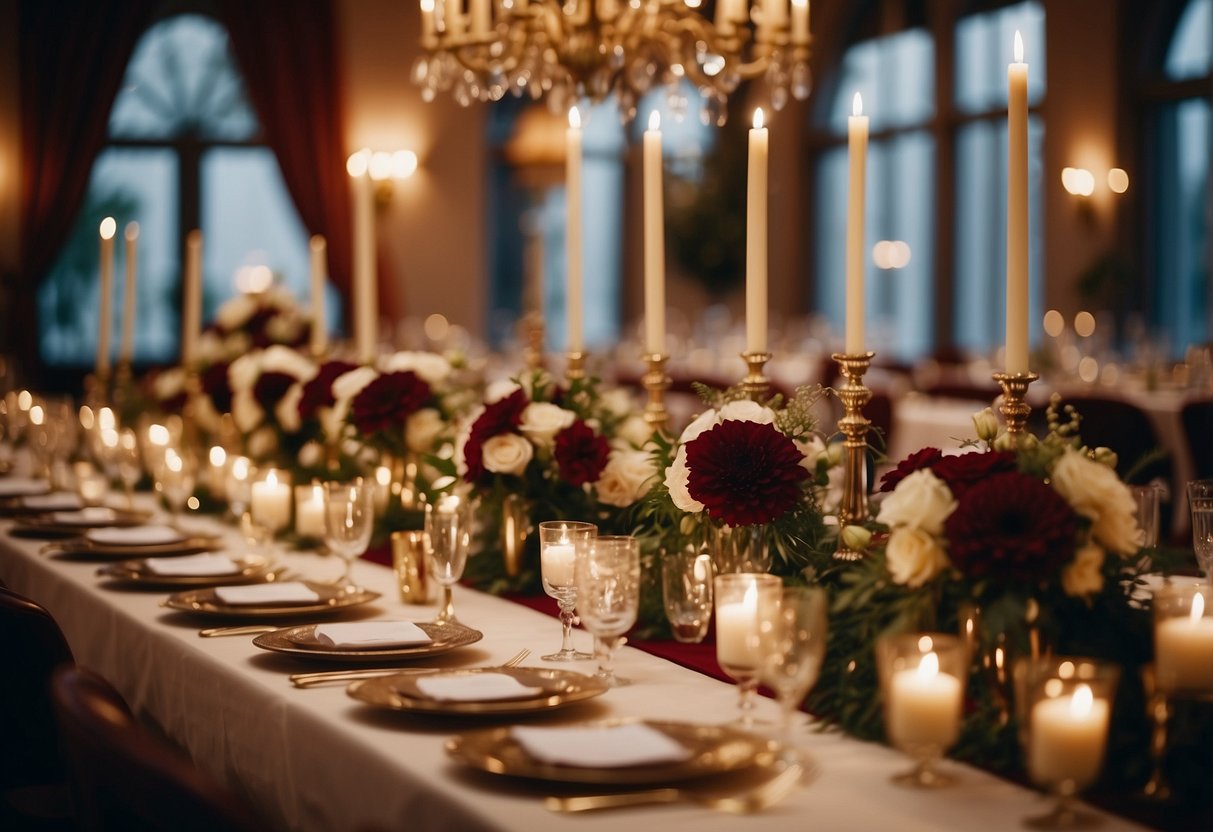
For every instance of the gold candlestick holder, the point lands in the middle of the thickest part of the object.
(532, 339)
(656, 382)
(755, 384)
(853, 510)
(1015, 409)
(575, 368)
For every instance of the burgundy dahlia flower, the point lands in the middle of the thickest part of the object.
(318, 392)
(580, 453)
(926, 458)
(964, 471)
(271, 387)
(502, 416)
(388, 401)
(745, 473)
(218, 387)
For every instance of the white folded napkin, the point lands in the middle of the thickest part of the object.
(370, 634)
(289, 592)
(616, 746)
(22, 486)
(193, 565)
(475, 687)
(134, 535)
(85, 517)
(59, 501)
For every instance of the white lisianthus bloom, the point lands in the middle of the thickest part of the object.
(703, 422)
(627, 477)
(236, 312)
(747, 411)
(287, 409)
(1095, 491)
(913, 557)
(507, 453)
(677, 482)
(429, 367)
(541, 421)
(422, 430)
(1084, 574)
(348, 385)
(920, 501)
(499, 390)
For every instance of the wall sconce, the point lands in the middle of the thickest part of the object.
(384, 168)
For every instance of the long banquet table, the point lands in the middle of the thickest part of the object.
(317, 760)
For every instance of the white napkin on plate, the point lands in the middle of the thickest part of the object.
(370, 634)
(58, 501)
(289, 592)
(21, 486)
(193, 565)
(616, 746)
(474, 687)
(85, 516)
(135, 535)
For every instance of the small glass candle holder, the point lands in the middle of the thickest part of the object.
(686, 592)
(747, 604)
(1068, 705)
(309, 511)
(92, 484)
(1183, 640)
(408, 561)
(922, 681)
(557, 561)
(269, 508)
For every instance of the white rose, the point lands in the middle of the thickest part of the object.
(245, 411)
(747, 411)
(499, 390)
(913, 557)
(677, 480)
(429, 367)
(1084, 574)
(234, 313)
(422, 430)
(703, 422)
(634, 431)
(618, 401)
(1093, 490)
(541, 421)
(507, 453)
(626, 478)
(287, 409)
(920, 501)
(243, 373)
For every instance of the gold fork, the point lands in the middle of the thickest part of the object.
(325, 677)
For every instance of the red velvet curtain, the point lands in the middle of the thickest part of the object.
(287, 53)
(72, 56)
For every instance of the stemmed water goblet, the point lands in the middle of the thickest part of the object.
(796, 647)
(607, 575)
(686, 593)
(129, 463)
(558, 560)
(349, 518)
(1200, 503)
(448, 529)
(746, 606)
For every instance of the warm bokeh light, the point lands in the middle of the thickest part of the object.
(759, 121)
(1118, 180)
(358, 163)
(132, 231)
(109, 227)
(1084, 324)
(1088, 370)
(1078, 181)
(655, 120)
(1055, 323)
(381, 165)
(857, 105)
(437, 327)
(574, 118)
(253, 280)
(404, 164)
(891, 254)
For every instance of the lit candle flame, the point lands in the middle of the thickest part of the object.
(749, 601)
(654, 120)
(109, 227)
(857, 105)
(928, 668)
(271, 479)
(217, 456)
(1198, 607)
(758, 120)
(1018, 48)
(1082, 701)
(574, 118)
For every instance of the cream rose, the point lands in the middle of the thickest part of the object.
(1095, 491)
(541, 421)
(747, 411)
(422, 430)
(626, 478)
(914, 557)
(704, 421)
(284, 328)
(429, 367)
(243, 373)
(263, 444)
(920, 501)
(1084, 574)
(499, 390)
(286, 360)
(461, 440)
(634, 431)
(168, 384)
(507, 453)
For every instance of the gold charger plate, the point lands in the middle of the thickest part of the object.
(301, 642)
(559, 688)
(85, 549)
(715, 749)
(332, 599)
(46, 523)
(249, 569)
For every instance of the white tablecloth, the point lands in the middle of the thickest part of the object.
(317, 760)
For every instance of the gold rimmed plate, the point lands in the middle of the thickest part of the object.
(557, 688)
(712, 749)
(247, 570)
(301, 642)
(68, 523)
(332, 599)
(82, 548)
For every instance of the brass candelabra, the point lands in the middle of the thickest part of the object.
(1015, 409)
(575, 368)
(656, 382)
(756, 385)
(853, 425)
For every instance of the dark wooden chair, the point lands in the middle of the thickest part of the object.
(125, 779)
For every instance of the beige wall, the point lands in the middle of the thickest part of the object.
(10, 139)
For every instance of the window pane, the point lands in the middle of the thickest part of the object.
(896, 77)
(984, 47)
(1190, 54)
(248, 219)
(181, 77)
(130, 185)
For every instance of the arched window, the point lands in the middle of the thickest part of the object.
(1179, 247)
(184, 151)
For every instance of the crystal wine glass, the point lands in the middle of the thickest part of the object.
(796, 648)
(129, 463)
(558, 559)
(1200, 502)
(175, 479)
(448, 529)
(746, 606)
(686, 593)
(349, 518)
(608, 594)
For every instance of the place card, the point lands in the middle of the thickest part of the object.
(615, 746)
(370, 634)
(290, 592)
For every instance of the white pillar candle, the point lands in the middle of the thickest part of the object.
(270, 501)
(1067, 735)
(572, 195)
(482, 18)
(366, 301)
(737, 632)
(318, 248)
(1183, 651)
(756, 239)
(557, 560)
(309, 510)
(105, 295)
(800, 22)
(654, 240)
(774, 13)
(857, 151)
(924, 705)
(1017, 212)
(191, 316)
(127, 349)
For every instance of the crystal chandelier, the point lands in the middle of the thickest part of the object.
(565, 51)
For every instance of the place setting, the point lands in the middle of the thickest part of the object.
(111, 542)
(198, 570)
(368, 641)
